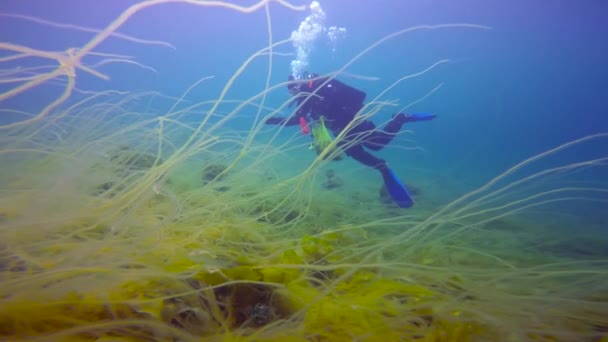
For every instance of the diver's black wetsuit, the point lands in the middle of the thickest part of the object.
(338, 103)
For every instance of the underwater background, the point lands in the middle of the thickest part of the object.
(536, 79)
(529, 77)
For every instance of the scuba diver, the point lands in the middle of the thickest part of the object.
(328, 103)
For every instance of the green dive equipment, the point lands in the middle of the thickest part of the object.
(322, 139)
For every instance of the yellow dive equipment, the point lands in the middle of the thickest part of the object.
(322, 139)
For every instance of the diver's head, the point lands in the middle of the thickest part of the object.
(293, 85)
(299, 83)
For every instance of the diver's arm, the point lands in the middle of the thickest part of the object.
(294, 119)
(278, 120)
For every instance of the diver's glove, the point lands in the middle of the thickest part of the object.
(413, 117)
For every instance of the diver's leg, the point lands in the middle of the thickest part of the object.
(366, 134)
(357, 135)
(362, 156)
(380, 138)
(393, 184)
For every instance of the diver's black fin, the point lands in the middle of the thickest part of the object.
(396, 189)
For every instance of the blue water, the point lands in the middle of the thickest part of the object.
(536, 79)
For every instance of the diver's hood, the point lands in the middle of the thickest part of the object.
(298, 83)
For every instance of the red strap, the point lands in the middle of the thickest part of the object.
(304, 125)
